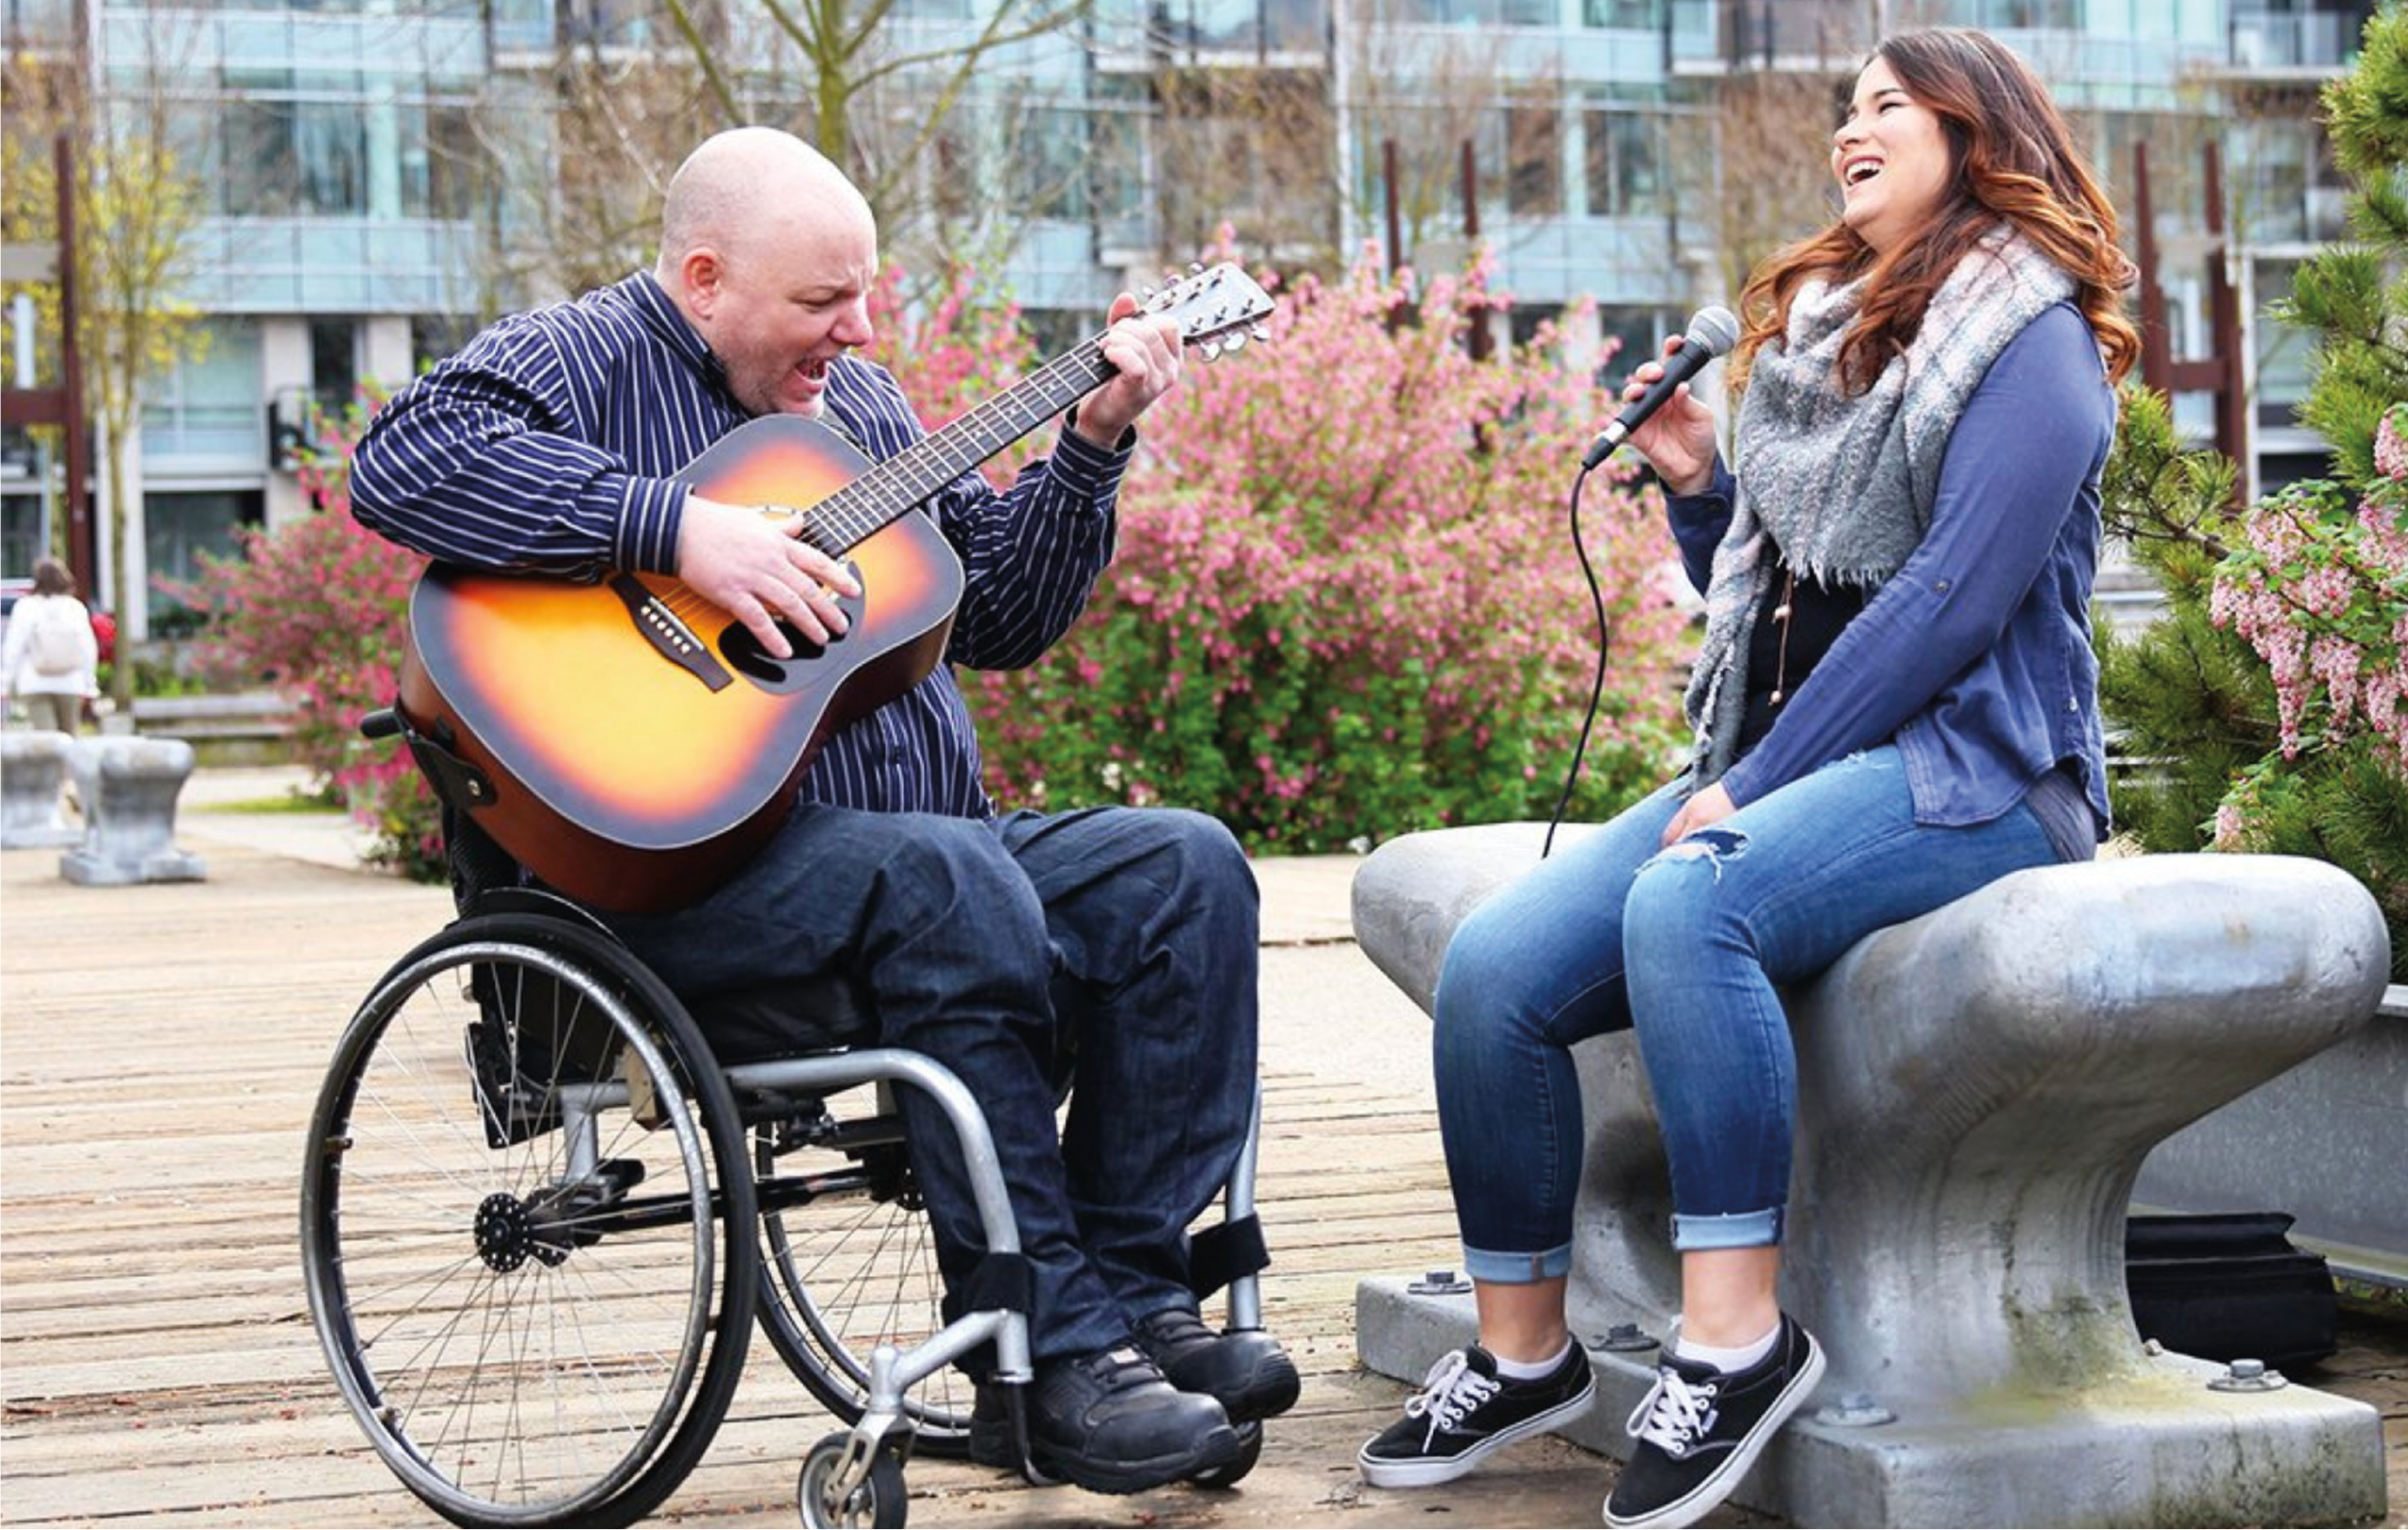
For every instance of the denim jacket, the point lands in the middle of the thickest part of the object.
(1975, 657)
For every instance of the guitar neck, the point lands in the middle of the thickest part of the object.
(893, 487)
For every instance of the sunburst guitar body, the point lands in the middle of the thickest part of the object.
(632, 744)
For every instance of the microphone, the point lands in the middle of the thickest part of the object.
(1712, 332)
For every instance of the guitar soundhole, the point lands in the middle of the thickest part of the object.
(745, 656)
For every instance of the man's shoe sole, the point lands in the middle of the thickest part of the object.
(1217, 1447)
(1428, 1472)
(1708, 1495)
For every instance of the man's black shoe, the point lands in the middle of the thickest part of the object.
(1106, 1422)
(1699, 1430)
(1246, 1371)
(1465, 1411)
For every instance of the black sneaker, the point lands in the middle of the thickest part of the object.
(1467, 1410)
(1246, 1370)
(1699, 1430)
(1106, 1422)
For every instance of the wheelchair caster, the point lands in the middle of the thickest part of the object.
(878, 1501)
(1249, 1452)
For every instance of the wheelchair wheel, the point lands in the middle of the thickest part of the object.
(852, 1267)
(878, 1501)
(526, 1224)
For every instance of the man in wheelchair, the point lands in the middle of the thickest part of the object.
(1121, 939)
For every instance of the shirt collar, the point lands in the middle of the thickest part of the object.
(653, 306)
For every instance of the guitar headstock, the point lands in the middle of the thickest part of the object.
(1219, 309)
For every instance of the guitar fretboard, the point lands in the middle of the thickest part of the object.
(890, 488)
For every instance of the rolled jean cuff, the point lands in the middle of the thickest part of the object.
(1737, 1230)
(1517, 1268)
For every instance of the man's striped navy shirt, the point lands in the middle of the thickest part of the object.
(549, 444)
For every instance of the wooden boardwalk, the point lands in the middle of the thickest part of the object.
(159, 1049)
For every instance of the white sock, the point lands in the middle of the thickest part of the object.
(1726, 1361)
(1531, 1370)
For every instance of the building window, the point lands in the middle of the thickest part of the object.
(207, 411)
(178, 528)
(1630, 336)
(1534, 160)
(2286, 355)
(1622, 15)
(1625, 154)
(286, 151)
(2010, 15)
(334, 364)
(445, 174)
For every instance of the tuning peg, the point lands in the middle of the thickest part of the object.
(1234, 340)
(1195, 268)
(1145, 294)
(1260, 332)
(1211, 350)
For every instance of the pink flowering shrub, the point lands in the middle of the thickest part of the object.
(1344, 602)
(317, 609)
(2319, 588)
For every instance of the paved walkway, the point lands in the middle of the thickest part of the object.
(158, 1050)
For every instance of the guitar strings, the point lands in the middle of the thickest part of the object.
(866, 503)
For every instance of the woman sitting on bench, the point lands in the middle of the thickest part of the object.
(1895, 703)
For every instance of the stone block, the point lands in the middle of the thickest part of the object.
(33, 768)
(128, 786)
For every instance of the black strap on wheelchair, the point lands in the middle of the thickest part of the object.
(1218, 1256)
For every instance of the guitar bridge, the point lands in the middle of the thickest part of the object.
(668, 633)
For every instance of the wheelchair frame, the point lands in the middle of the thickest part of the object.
(523, 1165)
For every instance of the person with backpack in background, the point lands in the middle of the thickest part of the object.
(50, 658)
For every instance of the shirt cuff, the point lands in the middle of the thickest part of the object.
(1739, 783)
(1084, 469)
(647, 516)
(1715, 497)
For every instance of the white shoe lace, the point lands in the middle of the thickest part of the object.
(1674, 1416)
(1451, 1391)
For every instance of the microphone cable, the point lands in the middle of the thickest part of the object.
(1597, 685)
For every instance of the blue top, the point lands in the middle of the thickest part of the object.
(547, 443)
(1975, 657)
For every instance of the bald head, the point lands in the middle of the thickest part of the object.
(770, 254)
(740, 185)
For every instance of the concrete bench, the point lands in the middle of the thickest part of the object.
(247, 714)
(1977, 1089)
(33, 768)
(247, 728)
(128, 787)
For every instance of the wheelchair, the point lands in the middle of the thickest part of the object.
(539, 1218)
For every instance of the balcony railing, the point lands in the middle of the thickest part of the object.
(2321, 40)
(334, 265)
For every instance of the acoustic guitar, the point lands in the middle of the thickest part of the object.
(633, 745)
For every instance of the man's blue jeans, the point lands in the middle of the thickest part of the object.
(1131, 932)
(1689, 945)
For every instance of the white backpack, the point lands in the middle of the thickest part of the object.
(56, 648)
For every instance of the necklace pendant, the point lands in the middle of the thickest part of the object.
(1776, 698)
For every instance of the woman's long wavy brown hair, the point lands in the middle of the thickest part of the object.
(2011, 158)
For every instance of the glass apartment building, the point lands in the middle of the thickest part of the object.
(384, 176)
